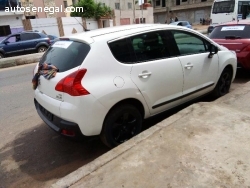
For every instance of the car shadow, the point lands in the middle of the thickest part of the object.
(44, 155)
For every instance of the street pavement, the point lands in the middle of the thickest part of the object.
(204, 145)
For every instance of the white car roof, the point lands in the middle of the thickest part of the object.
(117, 31)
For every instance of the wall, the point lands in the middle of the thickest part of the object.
(14, 21)
(70, 23)
(91, 24)
(148, 14)
(49, 25)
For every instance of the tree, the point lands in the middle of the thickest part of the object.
(92, 10)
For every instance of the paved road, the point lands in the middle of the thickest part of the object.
(31, 154)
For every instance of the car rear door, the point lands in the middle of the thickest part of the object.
(157, 74)
(200, 72)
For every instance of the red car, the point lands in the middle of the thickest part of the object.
(235, 36)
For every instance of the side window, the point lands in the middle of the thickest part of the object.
(11, 39)
(189, 44)
(149, 46)
(26, 36)
(184, 23)
(122, 51)
(35, 36)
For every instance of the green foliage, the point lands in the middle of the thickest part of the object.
(92, 10)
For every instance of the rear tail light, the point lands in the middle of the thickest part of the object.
(71, 84)
(246, 49)
(68, 132)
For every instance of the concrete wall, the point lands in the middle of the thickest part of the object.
(91, 24)
(147, 14)
(49, 25)
(14, 21)
(191, 15)
(70, 23)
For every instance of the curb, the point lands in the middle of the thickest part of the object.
(20, 60)
(89, 168)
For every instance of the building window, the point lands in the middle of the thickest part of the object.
(65, 4)
(129, 5)
(163, 3)
(203, 0)
(183, 0)
(157, 3)
(5, 30)
(117, 6)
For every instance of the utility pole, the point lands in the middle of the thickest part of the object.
(142, 2)
(134, 11)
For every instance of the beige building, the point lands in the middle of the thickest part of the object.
(55, 8)
(190, 10)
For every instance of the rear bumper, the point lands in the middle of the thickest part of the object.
(57, 124)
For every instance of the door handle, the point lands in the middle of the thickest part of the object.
(188, 66)
(145, 75)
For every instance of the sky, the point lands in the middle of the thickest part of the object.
(140, 2)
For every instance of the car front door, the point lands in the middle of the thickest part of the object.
(13, 45)
(157, 74)
(200, 71)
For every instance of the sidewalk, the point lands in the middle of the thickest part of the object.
(204, 145)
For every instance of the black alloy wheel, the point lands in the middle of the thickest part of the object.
(224, 83)
(122, 123)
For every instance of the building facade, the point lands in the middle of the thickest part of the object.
(55, 8)
(189, 10)
(10, 20)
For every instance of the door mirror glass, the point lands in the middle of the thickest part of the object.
(212, 50)
(6, 42)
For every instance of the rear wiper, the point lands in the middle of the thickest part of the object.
(232, 37)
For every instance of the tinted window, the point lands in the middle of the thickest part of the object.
(234, 31)
(189, 44)
(30, 36)
(149, 46)
(184, 23)
(66, 55)
(121, 51)
(223, 7)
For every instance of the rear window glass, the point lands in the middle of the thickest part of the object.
(66, 55)
(121, 51)
(233, 31)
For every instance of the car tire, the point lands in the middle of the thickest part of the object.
(122, 123)
(223, 84)
(1, 56)
(42, 49)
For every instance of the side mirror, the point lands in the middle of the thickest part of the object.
(212, 50)
(6, 42)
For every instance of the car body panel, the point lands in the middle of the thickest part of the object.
(110, 81)
(24, 45)
(238, 39)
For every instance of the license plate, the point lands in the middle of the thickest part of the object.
(46, 113)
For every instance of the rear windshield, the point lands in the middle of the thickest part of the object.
(66, 55)
(233, 31)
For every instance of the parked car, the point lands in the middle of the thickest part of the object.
(107, 81)
(235, 36)
(24, 43)
(182, 23)
(52, 38)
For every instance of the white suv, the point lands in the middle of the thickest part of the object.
(109, 80)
